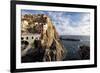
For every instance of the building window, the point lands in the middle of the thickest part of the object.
(26, 38)
(22, 38)
(32, 37)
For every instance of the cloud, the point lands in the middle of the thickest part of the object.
(68, 26)
(67, 23)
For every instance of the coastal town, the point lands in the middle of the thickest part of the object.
(33, 28)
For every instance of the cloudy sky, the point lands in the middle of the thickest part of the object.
(67, 23)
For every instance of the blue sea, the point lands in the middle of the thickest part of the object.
(72, 46)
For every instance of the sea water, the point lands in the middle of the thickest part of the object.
(72, 46)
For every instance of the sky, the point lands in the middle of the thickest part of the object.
(67, 23)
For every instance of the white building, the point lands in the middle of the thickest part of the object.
(29, 37)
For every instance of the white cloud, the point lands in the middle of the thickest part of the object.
(83, 27)
(68, 24)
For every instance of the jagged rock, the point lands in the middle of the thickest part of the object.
(84, 52)
(42, 24)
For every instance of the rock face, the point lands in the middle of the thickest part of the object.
(84, 52)
(51, 45)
